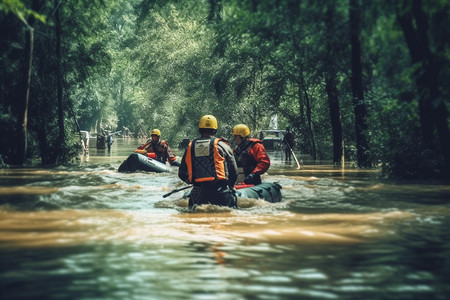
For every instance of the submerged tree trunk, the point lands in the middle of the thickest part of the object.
(331, 89)
(362, 145)
(432, 109)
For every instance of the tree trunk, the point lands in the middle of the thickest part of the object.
(215, 11)
(362, 146)
(23, 149)
(215, 17)
(331, 89)
(335, 117)
(59, 79)
(310, 127)
(309, 119)
(432, 109)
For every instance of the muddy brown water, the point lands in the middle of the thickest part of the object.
(90, 232)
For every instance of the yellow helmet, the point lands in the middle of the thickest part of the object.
(241, 129)
(208, 121)
(156, 132)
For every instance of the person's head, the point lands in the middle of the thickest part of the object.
(207, 125)
(155, 134)
(240, 133)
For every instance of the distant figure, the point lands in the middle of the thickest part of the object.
(288, 144)
(85, 142)
(250, 154)
(127, 132)
(101, 139)
(159, 148)
(109, 139)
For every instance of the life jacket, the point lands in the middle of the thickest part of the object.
(204, 161)
(246, 163)
(158, 149)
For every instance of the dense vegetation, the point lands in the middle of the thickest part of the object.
(355, 80)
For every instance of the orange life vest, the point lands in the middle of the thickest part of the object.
(159, 147)
(204, 161)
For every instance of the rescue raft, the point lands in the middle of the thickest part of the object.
(268, 191)
(138, 162)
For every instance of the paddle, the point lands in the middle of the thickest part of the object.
(237, 186)
(295, 157)
(177, 190)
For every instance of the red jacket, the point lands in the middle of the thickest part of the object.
(262, 159)
(258, 161)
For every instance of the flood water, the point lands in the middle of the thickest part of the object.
(90, 232)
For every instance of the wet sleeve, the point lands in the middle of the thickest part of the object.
(183, 171)
(231, 163)
(169, 153)
(262, 159)
(144, 146)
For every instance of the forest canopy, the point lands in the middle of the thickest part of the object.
(363, 81)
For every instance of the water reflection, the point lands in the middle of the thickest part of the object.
(56, 228)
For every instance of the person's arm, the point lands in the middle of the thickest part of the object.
(263, 162)
(230, 163)
(143, 147)
(169, 153)
(183, 171)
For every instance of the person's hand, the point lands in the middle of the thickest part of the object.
(249, 178)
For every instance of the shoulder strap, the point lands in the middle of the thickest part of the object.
(156, 147)
(245, 147)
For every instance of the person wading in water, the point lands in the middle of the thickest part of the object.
(250, 155)
(208, 163)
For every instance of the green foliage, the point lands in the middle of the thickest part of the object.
(163, 64)
(8, 125)
(18, 8)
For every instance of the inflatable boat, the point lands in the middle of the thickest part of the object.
(269, 191)
(138, 162)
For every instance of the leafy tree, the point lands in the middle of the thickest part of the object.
(27, 17)
(361, 127)
(331, 83)
(430, 66)
(334, 71)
